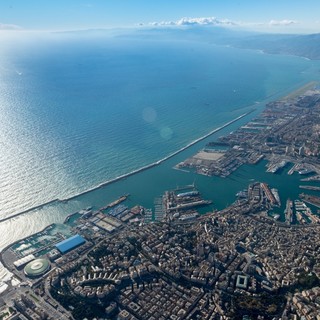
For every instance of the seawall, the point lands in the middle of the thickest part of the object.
(28, 210)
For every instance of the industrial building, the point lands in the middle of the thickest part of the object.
(23, 261)
(70, 243)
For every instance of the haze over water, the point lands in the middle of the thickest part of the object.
(77, 111)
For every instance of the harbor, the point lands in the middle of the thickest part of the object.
(236, 180)
(57, 211)
(147, 178)
(144, 168)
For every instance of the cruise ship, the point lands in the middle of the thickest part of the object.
(305, 171)
(275, 167)
(276, 196)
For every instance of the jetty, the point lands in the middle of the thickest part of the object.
(310, 188)
(116, 202)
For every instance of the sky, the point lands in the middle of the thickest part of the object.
(289, 16)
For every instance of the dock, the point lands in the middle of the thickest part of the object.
(313, 200)
(190, 205)
(289, 212)
(314, 188)
(116, 202)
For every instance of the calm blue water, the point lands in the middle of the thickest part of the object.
(76, 112)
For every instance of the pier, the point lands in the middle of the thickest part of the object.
(116, 202)
(314, 188)
(190, 205)
(313, 200)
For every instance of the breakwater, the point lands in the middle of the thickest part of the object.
(29, 210)
(156, 163)
(124, 176)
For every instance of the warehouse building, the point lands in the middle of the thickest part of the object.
(70, 243)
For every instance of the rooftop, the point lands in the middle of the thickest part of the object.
(70, 243)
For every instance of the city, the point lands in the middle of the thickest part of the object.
(241, 262)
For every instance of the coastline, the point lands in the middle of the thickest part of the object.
(155, 164)
(124, 176)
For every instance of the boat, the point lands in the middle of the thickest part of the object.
(276, 195)
(305, 171)
(188, 194)
(85, 211)
(242, 194)
(274, 168)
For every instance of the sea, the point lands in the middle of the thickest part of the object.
(77, 110)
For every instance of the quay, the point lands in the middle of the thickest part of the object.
(310, 188)
(190, 205)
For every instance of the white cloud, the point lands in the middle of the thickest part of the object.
(204, 21)
(221, 22)
(282, 22)
(196, 21)
(5, 26)
(270, 26)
